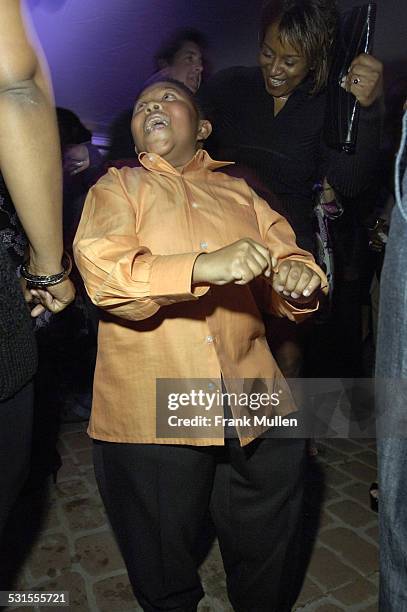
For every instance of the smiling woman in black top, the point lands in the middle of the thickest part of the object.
(270, 119)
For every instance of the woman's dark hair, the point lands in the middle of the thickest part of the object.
(307, 25)
(166, 53)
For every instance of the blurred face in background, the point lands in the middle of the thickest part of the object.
(187, 66)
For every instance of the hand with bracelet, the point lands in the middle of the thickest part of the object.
(52, 291)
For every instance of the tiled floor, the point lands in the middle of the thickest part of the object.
(75, 551)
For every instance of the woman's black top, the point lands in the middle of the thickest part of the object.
(286, 151)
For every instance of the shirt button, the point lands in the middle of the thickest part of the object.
(194, 205)
(211, 386)
(209, 339)
(204, 245)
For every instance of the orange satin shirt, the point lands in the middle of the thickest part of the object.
(139, 236)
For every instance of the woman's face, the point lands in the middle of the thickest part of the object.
(283, 67)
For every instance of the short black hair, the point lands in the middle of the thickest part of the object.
(166, 53)
(155, 79)
(310, 26)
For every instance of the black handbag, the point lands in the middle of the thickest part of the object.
(354, 36)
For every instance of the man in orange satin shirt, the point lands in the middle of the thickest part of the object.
(175, 255)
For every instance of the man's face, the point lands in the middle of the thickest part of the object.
(283, 67)
(165, 122)
(187, 66)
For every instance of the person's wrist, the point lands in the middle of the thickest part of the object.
(198, 273)
(44, 266)
(43, 269)
(40, 277)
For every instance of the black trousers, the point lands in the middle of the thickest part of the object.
(157, 498)
(16, 415)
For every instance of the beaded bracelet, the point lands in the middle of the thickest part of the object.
(38, 282)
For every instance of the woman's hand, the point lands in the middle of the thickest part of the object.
(76, 159)
(54, 298)
(364, 79)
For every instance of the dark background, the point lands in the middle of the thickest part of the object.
(100, 51)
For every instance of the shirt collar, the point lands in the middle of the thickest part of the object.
(201, 160)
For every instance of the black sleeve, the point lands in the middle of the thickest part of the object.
(350, 174)
(212, 93)
(214, 100)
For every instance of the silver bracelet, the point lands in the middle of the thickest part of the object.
(42, 282)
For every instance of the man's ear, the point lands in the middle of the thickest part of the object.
(204, 129)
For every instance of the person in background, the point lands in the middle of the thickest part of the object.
(81, 162)
(391, 396)
(378, 219)
(180, 57)
(270, 118)
(30, 163)
(82, 167)
(359, 242)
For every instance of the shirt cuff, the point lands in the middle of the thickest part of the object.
(299, 314)
(302, 312)
(171, 279)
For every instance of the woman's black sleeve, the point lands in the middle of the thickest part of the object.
(351, 174)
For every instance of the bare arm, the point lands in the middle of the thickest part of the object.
(29, 147)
